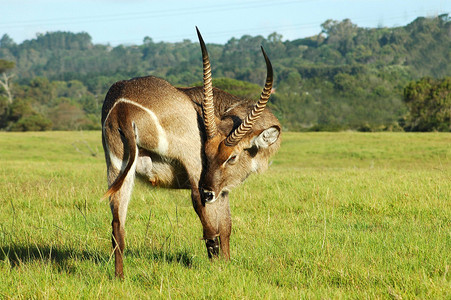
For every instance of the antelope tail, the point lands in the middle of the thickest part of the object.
(128, 134)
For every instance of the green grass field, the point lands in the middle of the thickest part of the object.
(338, 215)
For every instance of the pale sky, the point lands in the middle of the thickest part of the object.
(129, 21)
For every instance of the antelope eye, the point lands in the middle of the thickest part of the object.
(232, 159)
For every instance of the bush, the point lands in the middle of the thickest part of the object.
(429, 102)
(34, 122)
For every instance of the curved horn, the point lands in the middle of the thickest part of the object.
(249, 121)
(207, 104)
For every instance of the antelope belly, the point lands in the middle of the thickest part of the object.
(163, 173)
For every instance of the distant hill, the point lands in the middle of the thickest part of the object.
(346, 77)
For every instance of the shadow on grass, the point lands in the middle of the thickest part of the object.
(65, 258)
(62, 258)
(181, 257)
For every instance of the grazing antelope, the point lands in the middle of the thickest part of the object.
(198, 138)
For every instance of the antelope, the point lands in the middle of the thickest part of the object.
(198, 138)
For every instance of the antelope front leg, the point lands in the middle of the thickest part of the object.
(225, 225)
(212, 247)
(216, 224)
(209, 223)
(221, 212)
(118, 240)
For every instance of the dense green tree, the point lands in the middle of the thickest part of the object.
(6, 65)
(6, 41)
(429, 102)
(340, 35)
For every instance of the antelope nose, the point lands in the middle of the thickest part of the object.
(208, 196)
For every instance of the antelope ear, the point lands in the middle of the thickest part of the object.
(267, 137)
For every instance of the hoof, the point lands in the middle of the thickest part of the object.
(212, 247)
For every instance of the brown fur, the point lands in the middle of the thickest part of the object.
(157, 130)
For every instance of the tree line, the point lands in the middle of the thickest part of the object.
(345, 77)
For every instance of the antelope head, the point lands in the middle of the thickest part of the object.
(232, 153)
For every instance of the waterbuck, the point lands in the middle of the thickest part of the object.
(198, 138)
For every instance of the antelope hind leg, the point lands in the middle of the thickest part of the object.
(119, 204)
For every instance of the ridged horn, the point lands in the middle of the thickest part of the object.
(250, 119)
(208, 107)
